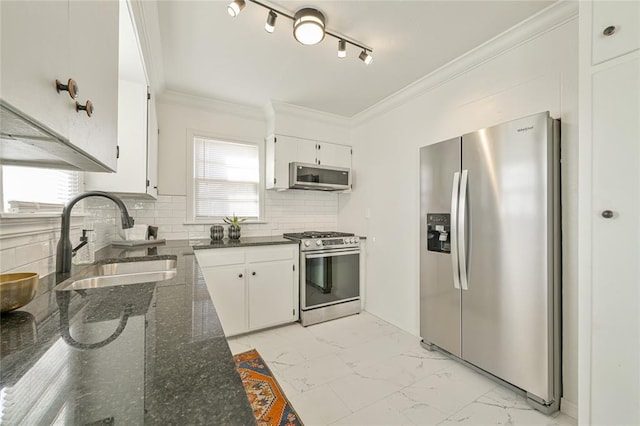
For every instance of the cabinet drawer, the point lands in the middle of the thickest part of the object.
(270, 253)
(220, 257)
(624, 17)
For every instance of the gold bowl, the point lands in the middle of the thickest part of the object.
(16, 290)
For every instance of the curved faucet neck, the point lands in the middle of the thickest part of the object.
(64, 249)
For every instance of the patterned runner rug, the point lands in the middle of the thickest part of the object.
(269, 404)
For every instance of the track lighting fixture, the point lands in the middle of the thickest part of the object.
(342, 48)
(235, 7)
(309, 27)
(270, 25)
(365, 57)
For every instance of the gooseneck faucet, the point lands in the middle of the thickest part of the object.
(65, 249)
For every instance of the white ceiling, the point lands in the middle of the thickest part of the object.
(208, 53)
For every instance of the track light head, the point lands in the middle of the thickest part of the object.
(308, 26)
(342, 48)
(365, 57)
(270, 25)
(235, 7)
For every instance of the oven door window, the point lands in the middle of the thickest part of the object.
(331, 278)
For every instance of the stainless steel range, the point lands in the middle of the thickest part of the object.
(329, 275)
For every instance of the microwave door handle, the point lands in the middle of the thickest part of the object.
(454, 230)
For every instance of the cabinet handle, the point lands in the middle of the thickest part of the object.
(88, 107)
(253, 273)
(609, 31)
(607, 214)
(239, 275)
(71, 87)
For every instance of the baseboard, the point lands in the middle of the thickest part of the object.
(569, 408)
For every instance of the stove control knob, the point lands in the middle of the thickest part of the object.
(345, 241)
(307, 243)
(356, 239)
(319, 242)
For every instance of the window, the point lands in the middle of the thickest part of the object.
(226, 179)
(30, 189)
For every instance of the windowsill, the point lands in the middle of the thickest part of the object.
(35, 216)
(21, 224)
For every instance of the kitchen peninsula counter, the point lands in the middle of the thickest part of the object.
(151, 353)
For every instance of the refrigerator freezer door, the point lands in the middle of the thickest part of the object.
(506, 314)
(439, 299)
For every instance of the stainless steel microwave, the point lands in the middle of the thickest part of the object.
(323, 178)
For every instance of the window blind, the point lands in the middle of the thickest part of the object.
(30, 189)
(226, 179)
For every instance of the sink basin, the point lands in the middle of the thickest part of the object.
(116, 280)
(121, 273)
(136, 267)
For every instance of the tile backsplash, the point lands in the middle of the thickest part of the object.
(287, 211)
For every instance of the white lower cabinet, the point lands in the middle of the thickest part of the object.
(252, 287)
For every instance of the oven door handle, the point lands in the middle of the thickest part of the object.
(331, 253)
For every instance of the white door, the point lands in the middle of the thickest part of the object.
(286, 149)
(93, 46)
(331, 154)
(271, 293)
(34, 54)
(226, 285)
(615, 245)
(307, 151)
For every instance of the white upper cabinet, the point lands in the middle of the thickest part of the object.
(137, 135)
(35, 38)
(93, 50)
(282, 150)
(47, 41)
(615, 29)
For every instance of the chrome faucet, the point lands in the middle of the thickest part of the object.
(65, 249)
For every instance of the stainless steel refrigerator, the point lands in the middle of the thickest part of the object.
(490, 253)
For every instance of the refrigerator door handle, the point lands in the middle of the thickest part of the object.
(454, 230)
(462, 248)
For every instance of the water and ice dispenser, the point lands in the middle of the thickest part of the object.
(438, 232)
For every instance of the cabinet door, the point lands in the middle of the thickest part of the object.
(34, 53)
(307, 151)
(331, 154)
(285, 151)
(152, 150)
(624, 16)
(226, 285)
(131, 176)
(93, 49)
(616, 244)
(271, 293)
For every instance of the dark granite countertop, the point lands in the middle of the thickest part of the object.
(151, 353)
(242, 242)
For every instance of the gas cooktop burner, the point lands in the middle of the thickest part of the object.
(316, 234)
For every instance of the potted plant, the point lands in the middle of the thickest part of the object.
(234, 226)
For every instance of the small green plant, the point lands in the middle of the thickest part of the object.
(234, 221)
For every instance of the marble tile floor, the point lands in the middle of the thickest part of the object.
(361, 370)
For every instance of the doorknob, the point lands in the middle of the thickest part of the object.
(607, 214)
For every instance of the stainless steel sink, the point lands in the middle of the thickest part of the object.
(116, 280)
(136, 267)
(121, 273)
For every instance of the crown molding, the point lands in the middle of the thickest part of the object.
(276, 108)
(145, 16)
(210, 104)
(544, 21)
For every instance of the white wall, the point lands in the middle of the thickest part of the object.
(538, 75)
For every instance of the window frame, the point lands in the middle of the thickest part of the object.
(191, 201)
